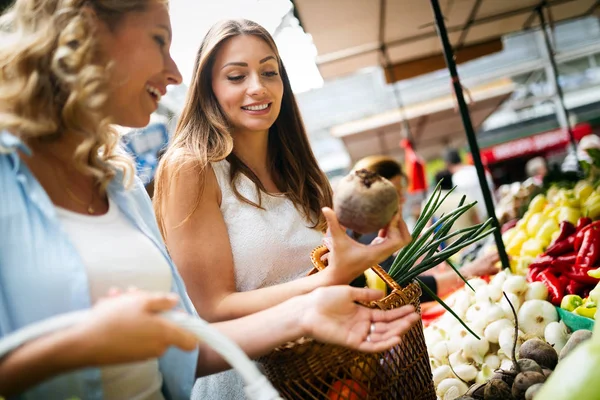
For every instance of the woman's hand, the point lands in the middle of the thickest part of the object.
(483, 265)
(332, 316)
(348, 258)
(127, 328)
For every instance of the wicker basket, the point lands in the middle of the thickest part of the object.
(306, 369)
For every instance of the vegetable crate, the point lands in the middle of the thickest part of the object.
(307, 369)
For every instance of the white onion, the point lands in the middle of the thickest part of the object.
(534, 315)
(484, 375)
(465, 372)
(515, 301)
(477, 283)
(457, 358)
(441, 373)
(499, 279)
(492, 361)
(537, 290)
(506, 339)
(556, 335)
(495, 292)
(515, 284)
(474, 349)
(448, 383)
(440, 351)
(492, 331)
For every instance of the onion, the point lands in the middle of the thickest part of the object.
(448, 383)
(499, 279)
(556, 335)
(492, 361)
(515, 284)
(537, 290)
(495, 292)
(506, 340)
(441, 373)
(474, 349)
(457, 358)
(465, 372)
(492, 331)
(534, 315)
(515, 301)
(485, 374)
(477, 283)
(440, 351)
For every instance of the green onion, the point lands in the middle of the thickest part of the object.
(423, 253)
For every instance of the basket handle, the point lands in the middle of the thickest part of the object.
(320, 251)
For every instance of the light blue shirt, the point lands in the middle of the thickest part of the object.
(42, 275)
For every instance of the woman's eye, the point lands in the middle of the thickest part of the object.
(270, 74)
(160, 40)
(236, 78)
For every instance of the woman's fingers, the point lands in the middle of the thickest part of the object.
(160, 302)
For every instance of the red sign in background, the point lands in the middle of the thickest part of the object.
(541, 142)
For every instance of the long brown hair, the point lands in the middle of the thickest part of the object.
(203, 135)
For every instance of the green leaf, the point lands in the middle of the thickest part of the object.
(595, 156)
(434, 296)
(451, 264)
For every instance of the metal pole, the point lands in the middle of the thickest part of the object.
(562, 111)
(470, 132)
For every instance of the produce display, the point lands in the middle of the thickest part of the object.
(553, 287)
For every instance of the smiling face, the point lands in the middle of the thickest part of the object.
(247, 84)
(143, 67)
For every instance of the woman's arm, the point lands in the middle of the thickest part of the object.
(327, 314)
(118, 330)
(201, 250)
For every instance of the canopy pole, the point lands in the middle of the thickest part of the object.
(562, 110)
(470, 132)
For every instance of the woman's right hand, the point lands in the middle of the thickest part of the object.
(128, 327)
(348, 258)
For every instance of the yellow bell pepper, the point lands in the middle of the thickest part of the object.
(374, 281)
(509, 235)
(584, 311)
(591, 207)
(514, 247)
(594, 273)
(532, 248)
(537, 203)
(567, 198)
(534, 223)
(570, 302)
(583, 190)
(569, 214)
(546, 230)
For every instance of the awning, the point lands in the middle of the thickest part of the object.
(434, 124)
(349, 34)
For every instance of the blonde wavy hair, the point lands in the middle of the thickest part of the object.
(52, 79)
(203, 135)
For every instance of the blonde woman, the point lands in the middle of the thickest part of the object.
(239, 194)
(77, 230)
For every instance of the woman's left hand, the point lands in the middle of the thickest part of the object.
(333, 316)
(348, 258)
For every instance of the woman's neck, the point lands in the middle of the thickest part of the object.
(252, 149)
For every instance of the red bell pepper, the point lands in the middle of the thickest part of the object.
(563, 247)
(579, 274)
(533, 272)
(580, 234)
(574, 287)
(583, 222)
(589, 252)
(566, 230)
(542, 261)
(564, 262)
(555, 291)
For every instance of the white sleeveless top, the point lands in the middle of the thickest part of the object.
(269, 247)
(116, 254)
